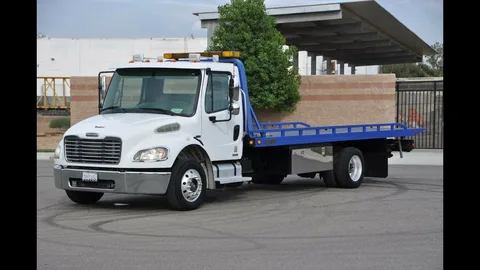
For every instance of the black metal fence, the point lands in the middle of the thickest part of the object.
(420, 104)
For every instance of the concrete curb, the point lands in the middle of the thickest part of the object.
(431, 157)
(44, 156)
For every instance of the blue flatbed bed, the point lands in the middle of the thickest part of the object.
(298, 133)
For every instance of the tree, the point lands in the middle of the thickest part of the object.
(433, 66)
(41, 35)
(245, 26)
(436, 61)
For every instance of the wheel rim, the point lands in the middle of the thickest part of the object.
(191, 185)
(355, 168)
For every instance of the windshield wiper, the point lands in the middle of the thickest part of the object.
(159, 110)
(113, 108)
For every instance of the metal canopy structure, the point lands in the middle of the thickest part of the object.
(358, 33)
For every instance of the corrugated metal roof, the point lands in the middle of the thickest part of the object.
(358, 33)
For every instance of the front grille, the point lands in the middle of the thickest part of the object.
(95, 151)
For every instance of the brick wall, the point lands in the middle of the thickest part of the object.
(326, 100)
(48, 142)
(43, 123)
(341, 100)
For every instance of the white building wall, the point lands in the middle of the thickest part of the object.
(86, 57)
(62, 57)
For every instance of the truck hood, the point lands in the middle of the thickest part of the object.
(121, 123)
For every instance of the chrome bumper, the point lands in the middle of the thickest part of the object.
(113, 181)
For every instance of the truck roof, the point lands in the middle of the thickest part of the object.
(181, 64)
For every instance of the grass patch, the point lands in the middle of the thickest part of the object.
(46, 150)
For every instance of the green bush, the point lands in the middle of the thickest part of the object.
(61, 122)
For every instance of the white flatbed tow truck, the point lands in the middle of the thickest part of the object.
(182, 124)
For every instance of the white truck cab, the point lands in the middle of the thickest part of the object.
(164, 126)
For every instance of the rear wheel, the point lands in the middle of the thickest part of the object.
(349, 168)
(187, 187)
(84, 197)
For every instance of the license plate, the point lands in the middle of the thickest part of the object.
(89, 177)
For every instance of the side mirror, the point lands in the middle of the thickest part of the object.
(236, 93)
(235, 108)
(102, 87)
(101, 90)
(231, 89)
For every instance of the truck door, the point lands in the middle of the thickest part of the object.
(223, 139)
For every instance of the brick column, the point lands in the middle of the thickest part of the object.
(84, 98)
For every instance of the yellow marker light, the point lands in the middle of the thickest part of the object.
(147, 61)
(131, 61)
(259, 142)
(251, 142)
(230, 54)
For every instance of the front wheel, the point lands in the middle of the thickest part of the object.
(84, 197)
(187, 187)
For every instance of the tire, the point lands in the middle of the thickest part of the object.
(257, 178)
(329, 179)
(187, 176)
(84, 197)
(349, 168)
(274, 179)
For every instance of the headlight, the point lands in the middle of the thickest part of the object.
(152, 154)
(58, 150)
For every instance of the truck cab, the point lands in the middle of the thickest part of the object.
(157, 118)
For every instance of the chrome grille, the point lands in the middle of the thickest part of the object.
(98, 151)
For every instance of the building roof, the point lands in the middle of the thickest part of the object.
(359, 33)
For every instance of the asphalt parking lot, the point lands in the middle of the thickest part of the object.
(393, 223)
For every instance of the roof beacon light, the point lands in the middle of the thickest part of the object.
(220, 54)
(194, 57)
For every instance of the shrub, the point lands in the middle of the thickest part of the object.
(61, 122)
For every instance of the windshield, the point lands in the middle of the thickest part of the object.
(153, 90)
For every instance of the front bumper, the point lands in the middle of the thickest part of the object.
(113, 181)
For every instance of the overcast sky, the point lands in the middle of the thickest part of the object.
(174, 18)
